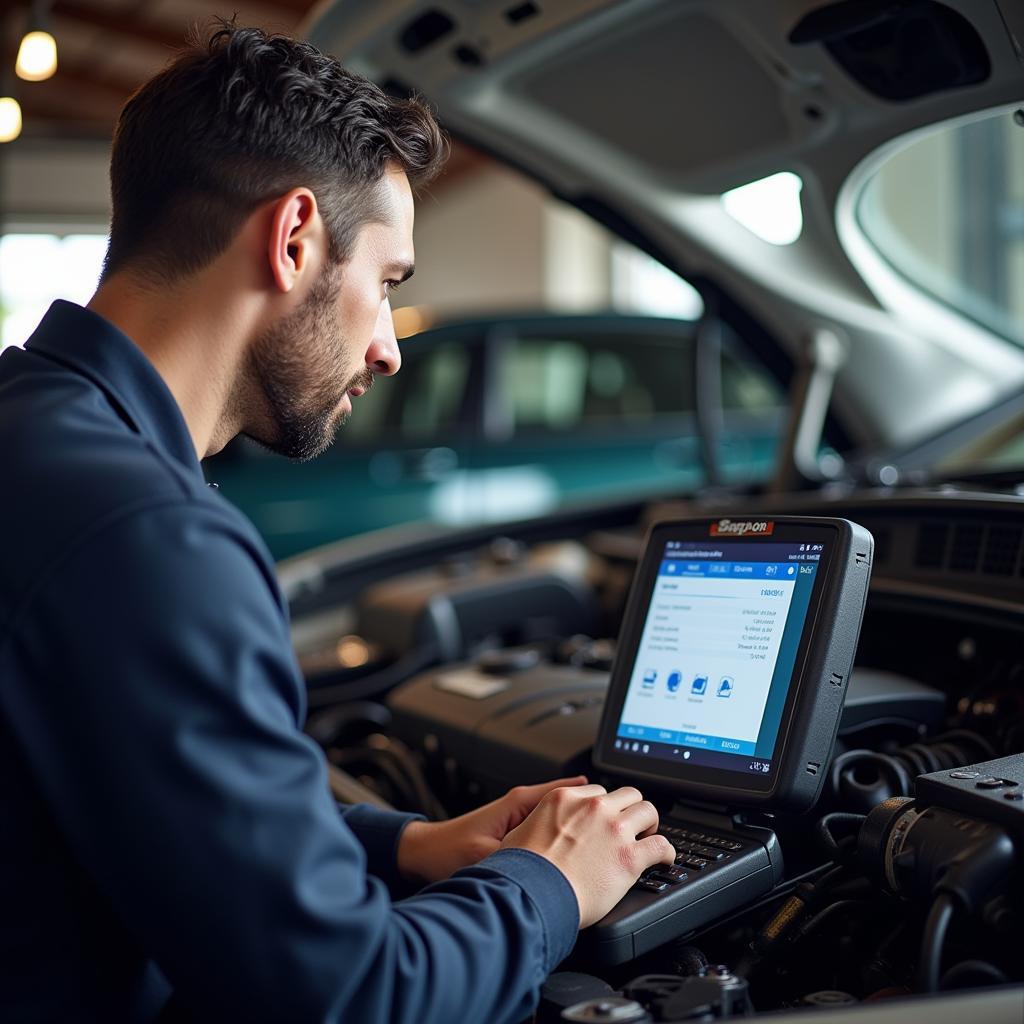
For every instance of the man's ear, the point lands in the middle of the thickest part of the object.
(295, 232)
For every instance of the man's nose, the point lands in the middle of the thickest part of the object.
(383, 356)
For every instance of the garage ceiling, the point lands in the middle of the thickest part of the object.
(107, 48)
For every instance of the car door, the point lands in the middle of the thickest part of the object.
(603, 407)
(407, 435)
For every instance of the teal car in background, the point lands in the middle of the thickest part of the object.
(505, 417)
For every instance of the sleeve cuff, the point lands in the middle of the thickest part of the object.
(551, 894)
(379, 833)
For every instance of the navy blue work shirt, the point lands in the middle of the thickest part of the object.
(166, 826)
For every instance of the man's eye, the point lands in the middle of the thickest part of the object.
(392, 286)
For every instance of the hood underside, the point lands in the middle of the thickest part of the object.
(647, 110)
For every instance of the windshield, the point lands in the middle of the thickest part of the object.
(947, 213)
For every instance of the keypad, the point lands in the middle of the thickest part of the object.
(696, 852)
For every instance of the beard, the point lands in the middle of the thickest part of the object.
(299, 364)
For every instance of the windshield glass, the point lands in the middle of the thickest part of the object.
(947, 212)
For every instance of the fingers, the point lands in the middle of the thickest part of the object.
(576, 780)
(591, 789)
(532, 795)
(640, 818)
(655, 850)
(620, 799)
(517, 803)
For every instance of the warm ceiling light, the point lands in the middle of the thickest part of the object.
(10, 118)
(37, 56)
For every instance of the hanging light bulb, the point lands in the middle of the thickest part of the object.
(10, 119)
(37, 56)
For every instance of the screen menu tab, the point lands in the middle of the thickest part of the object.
(717, 652)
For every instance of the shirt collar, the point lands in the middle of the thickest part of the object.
(86, 342)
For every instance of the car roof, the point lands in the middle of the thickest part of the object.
(643, 112)
(541, 318)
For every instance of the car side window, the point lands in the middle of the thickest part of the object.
(746, 386)
(422, 401)
(561, 383)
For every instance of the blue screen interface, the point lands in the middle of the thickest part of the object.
(717, 653)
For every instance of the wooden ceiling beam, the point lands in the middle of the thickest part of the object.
(119, 24)
(98, 87)
(130, 26)
(64, 116)
(299, 8)
(115, 90)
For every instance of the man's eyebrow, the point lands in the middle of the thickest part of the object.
(403, 268)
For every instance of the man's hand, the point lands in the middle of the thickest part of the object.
(600, 841)
(431, 850)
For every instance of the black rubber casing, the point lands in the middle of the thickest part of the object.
(814, 702)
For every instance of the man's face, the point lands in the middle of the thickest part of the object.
(312, 364)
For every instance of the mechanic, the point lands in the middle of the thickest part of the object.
(171, 849)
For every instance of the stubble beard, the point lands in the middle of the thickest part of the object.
(297, 365)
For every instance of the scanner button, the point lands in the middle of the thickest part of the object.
(671, 876)
(709, 853)
(1014, 794)
(964, 775)
(652, 884)
(993, 783)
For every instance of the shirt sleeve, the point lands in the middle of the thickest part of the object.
(379, 832)
(162, 728)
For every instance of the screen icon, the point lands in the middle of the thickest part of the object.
(699, 685)
(636, 747)
(792, 569)
(673, 681)
(647, 748)
(725, 687)
(618, 744)
(650, 677)
(671, 566)
(686, 755)
(771, 570)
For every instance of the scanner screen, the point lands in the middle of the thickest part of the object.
(717, 653)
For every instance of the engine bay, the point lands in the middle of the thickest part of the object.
(485, 664)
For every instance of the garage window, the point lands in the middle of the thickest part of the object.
(35, 269)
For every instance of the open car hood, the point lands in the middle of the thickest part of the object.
(642, 112)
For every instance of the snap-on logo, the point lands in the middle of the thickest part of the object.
(727, 528)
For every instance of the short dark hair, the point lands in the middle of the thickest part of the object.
(238, 117)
